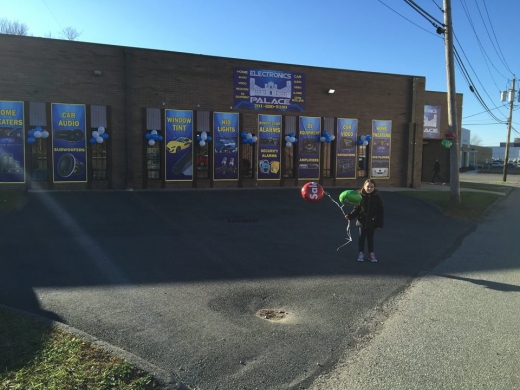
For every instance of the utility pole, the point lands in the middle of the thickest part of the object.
(511, 100)
(452, 104)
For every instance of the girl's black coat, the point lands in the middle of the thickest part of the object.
(370, 212)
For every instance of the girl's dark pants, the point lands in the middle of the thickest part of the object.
(366, 234)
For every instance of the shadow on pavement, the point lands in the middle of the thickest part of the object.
(486, 283)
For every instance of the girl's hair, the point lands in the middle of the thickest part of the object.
(370, 181)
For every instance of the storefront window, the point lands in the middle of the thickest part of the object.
(99, 161)
(39, 160)
(153, 161)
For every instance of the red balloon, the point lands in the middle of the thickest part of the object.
(312, 192)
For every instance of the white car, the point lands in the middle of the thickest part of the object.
(497, 164)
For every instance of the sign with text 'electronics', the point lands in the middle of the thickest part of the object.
(309, 148)
(381, 148)
(261, 89)
(12, 155)
(179, 145)
(346, 146)
(69, 146)
(269, 147)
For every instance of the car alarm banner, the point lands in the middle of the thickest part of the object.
(432, 122)
(69, 146)
(12, 155)
(346, 146)
(178, 145)
(381, 147)
(309, 147)
(262, 89)
(225, 139)
(269, 147)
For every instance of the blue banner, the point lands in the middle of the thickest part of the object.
(225, 139)
(309, 148)
(261, 89)
(381, 147)
(269, 147)
(12, 151)
(69, 145)
(346, 149)
(178, 145)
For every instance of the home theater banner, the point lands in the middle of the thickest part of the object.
(12, 169)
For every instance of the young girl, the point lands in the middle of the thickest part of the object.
(370, 215)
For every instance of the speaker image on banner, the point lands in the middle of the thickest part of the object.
(69, 165)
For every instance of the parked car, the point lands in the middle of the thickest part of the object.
(497, 164)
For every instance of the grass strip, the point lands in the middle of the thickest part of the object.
(37, 356)
(472, 206)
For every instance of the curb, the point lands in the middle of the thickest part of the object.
(163, 378)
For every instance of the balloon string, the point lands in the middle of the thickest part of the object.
(349, 236)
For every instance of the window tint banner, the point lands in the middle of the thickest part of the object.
(309, 147)
(381, 147)
(12, 150)
(269, 147)
(178, 145)
(346, 147)
(225, 142)
(261, 89)
(69, 145)
(432, 122)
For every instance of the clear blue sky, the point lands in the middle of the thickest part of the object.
(361, 35)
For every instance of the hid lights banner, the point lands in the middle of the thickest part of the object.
(346, 148)
(12, 156)
(269, 147)
(381, 139)
(261, 89)
(309, 148)
(178, 145)
(225, 140)
(69, 145)
(432, 122)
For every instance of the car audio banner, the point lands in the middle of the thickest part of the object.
(381, 147)
(178, 145)
(69, 145)
(12, 151)
(346, 148)
(225, 158)
(309, 148)
(261, 89)
(269, 147)
(432, 122)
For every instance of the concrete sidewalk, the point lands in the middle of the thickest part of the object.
(453, 329)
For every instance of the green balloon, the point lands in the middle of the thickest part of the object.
(351, 197)
(446, 143)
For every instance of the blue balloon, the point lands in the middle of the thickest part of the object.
(38, 128)
(159, 138)
(31, 133)
(31, 140)
(368, 138)
(148, 136)
(92, 140)
(208, 139)
(104, 136)
(359, 142)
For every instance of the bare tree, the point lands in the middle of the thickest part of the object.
(13, 28)
(475, 140)
(70, 33)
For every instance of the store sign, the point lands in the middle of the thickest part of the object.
(12, 155)
(309, 147)
(346, 146)
(69, 145)
(381, 148)
(178, 144)
(261, 89)
(432, 122)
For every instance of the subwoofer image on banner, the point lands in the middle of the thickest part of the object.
(68, 165)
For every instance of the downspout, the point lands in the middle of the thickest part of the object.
(128, 117)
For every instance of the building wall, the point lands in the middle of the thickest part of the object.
(133, 79)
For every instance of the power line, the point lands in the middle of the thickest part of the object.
(393, 10)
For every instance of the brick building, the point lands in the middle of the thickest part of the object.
(77, 115)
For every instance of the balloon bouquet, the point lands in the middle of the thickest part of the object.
(313, 192)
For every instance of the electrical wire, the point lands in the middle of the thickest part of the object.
(415, 24)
